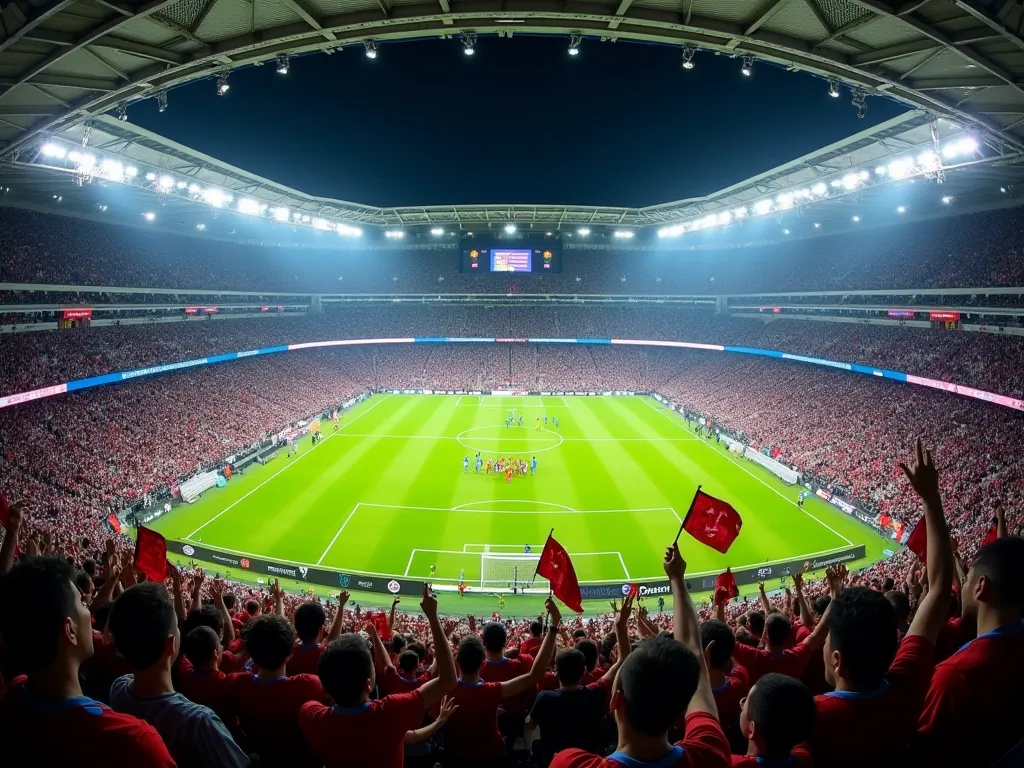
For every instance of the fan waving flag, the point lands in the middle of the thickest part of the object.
(712, 521)
(725, 588)
(380, 622)
(555, 566)
(992, 534)
(917, 541)
(151, 554)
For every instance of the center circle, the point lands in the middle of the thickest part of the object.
(512, 440)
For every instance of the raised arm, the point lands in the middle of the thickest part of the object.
(445, 680)
(197, 589)
(621, 639)
(217, 590)
(1000, 520)
(448, 708)
(801, 598)
(931, 613)
(835, 576)
(339, 617)
(763, 599)
(278, 594)
(543, 659)
(179, 601)
(380, 653)
(391, 616)
(10, 545)
(686, 629)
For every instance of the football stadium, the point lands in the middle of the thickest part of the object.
(455, 384)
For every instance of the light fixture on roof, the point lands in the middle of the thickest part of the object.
(122, 111)
(833, 87)
(149, 216)
(860, 101)
(165, 182)
(161, 101)
(748, 66)
(394, 234)
(946, 199)
(817, 225)
(901, 209)
(785, 231)
(510, 229)
(437, 231)
(688, 53)
(623, 234)
(201, 227)
(50, 149)
(856, 219)
(583, 231)
(282, 63)
(222, 84)
(574, 44)
(469, 43)
(371, 49)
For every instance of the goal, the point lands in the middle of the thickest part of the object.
(505, 571)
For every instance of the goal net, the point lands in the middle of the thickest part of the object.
(509, 571)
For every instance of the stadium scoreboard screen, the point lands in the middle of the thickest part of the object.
(481, 256)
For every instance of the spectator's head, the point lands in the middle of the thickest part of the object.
(888, 583)
(588, 648)
(777, 714)
(229, 601)
(607, 646)
(536, 628)
(570, 666)
(269, 640)
(44, 621)
(309, 622)
(495, 636)
(862, 640)
(408, 663)
(470, 655)
(205, 616)
(717, 632)
(84, 583)
(654, 687)
(420, 650)
(744, 637)
(777, 629)
(900, 605)
(252, 608)
(820, 605)
(202, 648)
(346, 670)
(89, 566)
(995, 581)
(144, 626)
(755, 623)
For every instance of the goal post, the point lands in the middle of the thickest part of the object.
(507, 571)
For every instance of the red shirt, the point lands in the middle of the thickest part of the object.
(368, 735)
(472, 731)
(974, 710)
(501, 671)
(858, 728)
(800, 757)
(953, 635)
(391, 681)
(530, 646)
(304, 659)
(78, 732)
(760, 662)
(211, 690)
(704, 747)
(268, 711)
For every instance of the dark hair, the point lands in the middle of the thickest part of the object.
(252, 607)
(725, 641)
(888, 583)
(783, 709)
(579, 633)
(777, 628)
(820, 604)
(494, 636)
(141, 621)
(205, 616)
(89, 566)
(344, 667)
(408, 661)
(470, 654)
(229, 600)
(657, 681)
(755, 621)
(200, 645)
(607, 645)
(743, 636)
(420, 650)
(84, 582)
(397, 643)
(269, 640)
(863, 630)
(37, 595)
(900, 604)
(570, 666)
(588, 648)
(309, 620)
(1002, 564)
(536, 628)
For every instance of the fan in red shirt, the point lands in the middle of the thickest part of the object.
(47, 631)
(660, 680)
(356, 731)
(871, 686)
(531, 645)
(202, 680)
(729, 681)
(267, 703)
(498, 668)
(777, 718)
(309, 626)
(974, 710)
(777, 658)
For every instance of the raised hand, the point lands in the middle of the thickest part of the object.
(798, 581)
(448, 708)
(553, 612)
(622, 620)
(429, 603)
(343, 597)
(835, 576)
(674, 564)
(923, 477)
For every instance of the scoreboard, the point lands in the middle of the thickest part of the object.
(480, 256)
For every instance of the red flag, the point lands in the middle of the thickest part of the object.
(556, 567)
(725, 588)
(5, 511)
(712, 521)
(380, 621)
(992, 535)
(634, 590)
(151, 554)
(917, 541)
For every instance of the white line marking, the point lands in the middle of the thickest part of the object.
(507, 555)
(623, 563)
(521, 511)
(530, 437)
(284, 468)
(409, 564)
(777, 492)
(350, 515)
(678, 518)
(511, 501)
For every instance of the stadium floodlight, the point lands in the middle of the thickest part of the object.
(281, 213)
(856, 219)
(968, 145)
(438, 231)
(583, 231)
(833, 87)
(817, 225)
(927, 159)
(214, 197)
(50, 149)
(574, 44)
(748, 66)
(322, 224)
(181, 184)
(851, 181)
(688, 53)
(901, 209)
(131, 171)
(863, 175)
(112, 169)
(724, 219)
(194, 189)
(222, 84)
(165, 182)
(75, 156)
(946, 200)
(282, 63)
(836, 183)
(881, 170)
(785, 231)
(819, 188)
(248, 206)
(784, 201)
(510, 229)
(161, 101)
(394, 234)
(674, 231)
(371, 49)
(739, 213)
(305, 218)
(900, 169)
(623, 234)
(761, 207)
(345, 229)
(149, 216)
(122, 111)
(469, 43)
(201, 227)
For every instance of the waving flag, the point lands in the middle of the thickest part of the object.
(992, 534)
(712, 521)
(380, 622)
(151, 554)
(5, 511)
(917, 541)
(556, 567)
(725, 588)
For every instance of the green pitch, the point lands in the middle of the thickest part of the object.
(387, 495)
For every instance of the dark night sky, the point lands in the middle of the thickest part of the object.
(519, 122)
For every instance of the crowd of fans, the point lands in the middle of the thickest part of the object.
(977, 250)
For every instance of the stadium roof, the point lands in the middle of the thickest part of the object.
(62, 61)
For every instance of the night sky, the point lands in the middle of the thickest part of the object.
(519, 122)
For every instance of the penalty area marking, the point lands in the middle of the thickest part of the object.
(507, 556)
(513, 501)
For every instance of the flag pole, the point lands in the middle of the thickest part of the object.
(552, 533)
(683, 524)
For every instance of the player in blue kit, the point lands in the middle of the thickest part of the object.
(465, 463)
(479, 463)
(533, 466)
(520, 420)
(545, 420)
